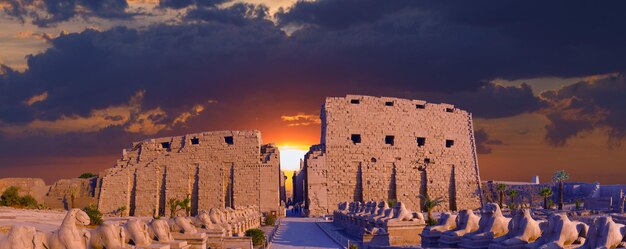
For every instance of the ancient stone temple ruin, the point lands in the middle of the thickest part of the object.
(215, 169)
(379, 148)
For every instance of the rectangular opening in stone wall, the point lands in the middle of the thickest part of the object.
(421, 141)
(195, 140)
(449, 109)
(389, 103)
(449, 143)
(356, 138)
(418, 106)
(426, 160)
(389, 140)
(229, 140)
(355, 101)
(165, 145)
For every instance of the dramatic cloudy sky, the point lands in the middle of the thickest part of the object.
(82, 79)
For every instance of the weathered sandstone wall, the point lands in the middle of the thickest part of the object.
(216, 169)
(379, 148)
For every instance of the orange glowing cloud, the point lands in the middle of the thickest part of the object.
(36, 99)
(131, 116)
(301, 119)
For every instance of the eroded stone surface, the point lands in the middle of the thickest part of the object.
(389, 148)
(215, 169)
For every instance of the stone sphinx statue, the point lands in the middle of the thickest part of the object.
(367, 206)
(109, 236)
(218, 218)
(137, 233)
(352, 207)
(561, 232)
(69, 235)
(204, 220)
(387, 215)
(160, 230)
(182, 225)
(605, 233)
(523, 229)
(23, 237)
(492, 223)
(342, 206)
(370, 207)
(466, 222)
(430, 235)
(380, 211)
(446, 222)
(401, 213)
(356, 208)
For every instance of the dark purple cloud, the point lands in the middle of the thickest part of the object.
(179, 4)
(483, 142)
(440, 52)
(585, 106)
(496, 101)
(52, 12)
(477, 40)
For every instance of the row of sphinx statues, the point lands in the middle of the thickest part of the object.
(493, 230)
(134, 233)
(374, 217)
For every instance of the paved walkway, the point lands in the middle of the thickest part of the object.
(301, 233)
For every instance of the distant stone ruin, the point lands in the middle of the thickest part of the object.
(380, 148)
(215, 169)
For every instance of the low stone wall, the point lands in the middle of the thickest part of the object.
(58, 195)
(31, 186)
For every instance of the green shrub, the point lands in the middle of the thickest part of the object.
(87, 175)
(551, 204)
(258, 236)
(95, 216)
(392, 202)
(579, 204)
(10, 197)
(270, 219)
(353, 246)
(28, 201)
(431, 222)
(121, 211)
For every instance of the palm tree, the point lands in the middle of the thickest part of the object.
(501, 188)
(513, 193)
(559, 177)
(430, 204)
(545, 193)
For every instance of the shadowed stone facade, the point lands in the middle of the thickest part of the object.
(379, 148)
(216, 169)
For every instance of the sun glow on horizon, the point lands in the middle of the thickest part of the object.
(290, 156)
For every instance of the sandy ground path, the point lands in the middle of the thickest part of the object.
(301, 233)
(42, 220)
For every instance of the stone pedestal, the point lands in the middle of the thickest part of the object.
(178, 244)
(238, 242)
(475, 243)
(405, 233)
(195, 240)
(500, 246)
(154, 246)
(430, 240)
(215, 238)
(446, 241)
(398, 234)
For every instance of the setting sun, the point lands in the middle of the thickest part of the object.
(290, 157)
